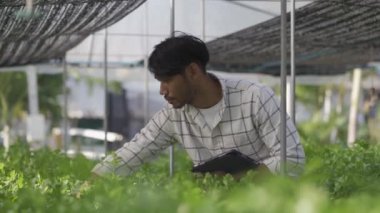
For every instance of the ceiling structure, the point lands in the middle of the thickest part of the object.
(331, 37)
(51, 27)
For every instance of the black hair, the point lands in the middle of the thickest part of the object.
(171, 56)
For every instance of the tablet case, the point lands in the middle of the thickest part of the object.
(231, 162)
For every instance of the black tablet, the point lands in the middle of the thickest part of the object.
(231, 162)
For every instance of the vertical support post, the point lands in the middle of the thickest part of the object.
(203, 10)
(31, 74)
(146, 76)
(29, 6)
(355, 89)
(35, 122)
(288, 96)
(172, 26)
(65, 107)
(292, 110)
(327, 104)
(283, 88)
(105, 119)
(146, 92)
(91, 50)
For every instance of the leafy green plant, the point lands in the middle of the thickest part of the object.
(336, 179)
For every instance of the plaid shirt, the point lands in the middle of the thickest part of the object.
(248, 121)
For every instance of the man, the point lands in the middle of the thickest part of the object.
(208, 116)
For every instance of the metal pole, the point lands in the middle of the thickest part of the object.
(146, 76)
(31, 74)
(292, 109)
(252, 8)
(105, 119)
(172, 17)
(171, 148)
(65, 107)
(146, 92)
(283, 88)
(203, 8)
(91, 50)
(29, 6)
(355, 93)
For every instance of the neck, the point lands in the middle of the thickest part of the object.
(209, 92)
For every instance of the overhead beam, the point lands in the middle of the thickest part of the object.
(253, 8)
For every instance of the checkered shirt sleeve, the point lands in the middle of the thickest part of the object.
(268, 118)
(150, 141)
(248, 121)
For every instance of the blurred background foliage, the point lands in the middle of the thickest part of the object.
(14, 96)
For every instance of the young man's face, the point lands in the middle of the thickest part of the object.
(177, 90)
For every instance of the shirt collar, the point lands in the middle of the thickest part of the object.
(197, 116)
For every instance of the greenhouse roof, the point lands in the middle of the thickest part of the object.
(331, 36)
(51, 27)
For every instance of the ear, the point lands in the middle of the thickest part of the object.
(193, 71)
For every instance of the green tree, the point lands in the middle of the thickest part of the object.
(13, 96)
(49, 89)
